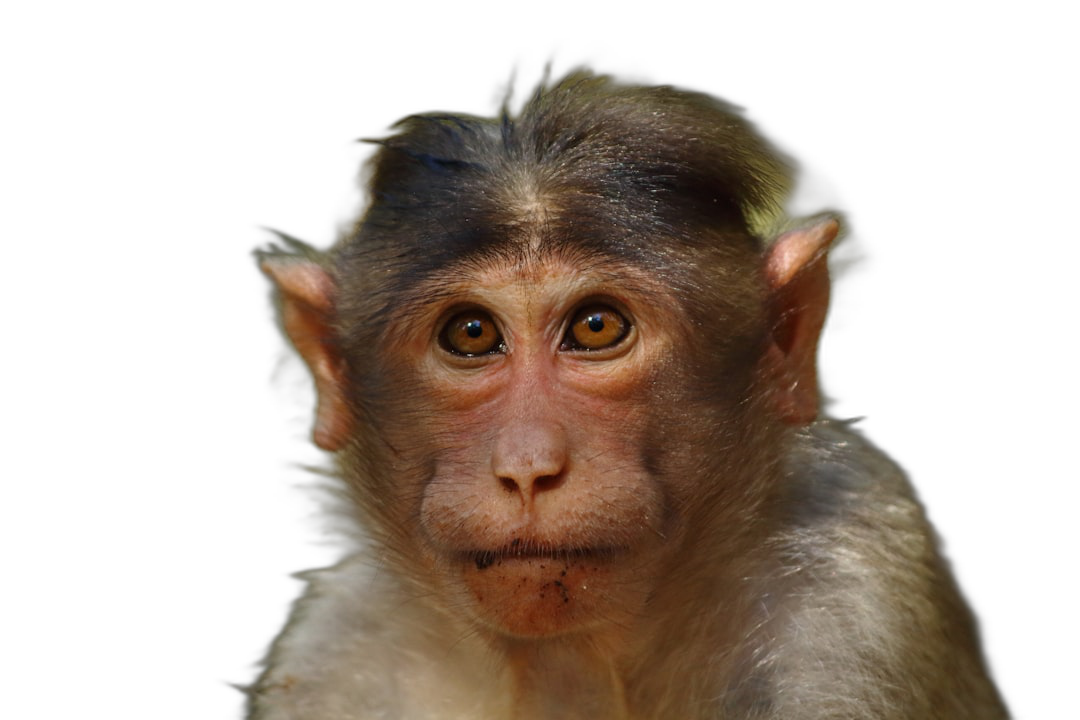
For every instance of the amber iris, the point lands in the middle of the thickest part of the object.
(597, 327)
(471, 333)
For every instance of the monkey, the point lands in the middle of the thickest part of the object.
(565, 363)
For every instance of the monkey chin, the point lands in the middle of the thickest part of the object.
(546, 595)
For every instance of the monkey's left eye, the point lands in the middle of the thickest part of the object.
(471, 333)
(596, 327)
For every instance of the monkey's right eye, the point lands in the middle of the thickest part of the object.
(471, 333)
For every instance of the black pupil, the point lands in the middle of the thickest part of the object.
(474, 329)
(595, 323)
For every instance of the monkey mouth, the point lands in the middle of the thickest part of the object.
(519, 549)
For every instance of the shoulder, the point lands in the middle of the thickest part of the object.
(361, 643)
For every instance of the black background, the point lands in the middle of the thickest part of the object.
(941, 343)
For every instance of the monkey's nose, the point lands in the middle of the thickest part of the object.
(530, 457)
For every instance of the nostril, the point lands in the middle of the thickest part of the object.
(509, 484)
(546, 482)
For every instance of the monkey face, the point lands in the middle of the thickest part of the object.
(540, 508)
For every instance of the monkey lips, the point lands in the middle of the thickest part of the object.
(542, 593)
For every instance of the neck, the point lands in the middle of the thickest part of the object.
(566, 679)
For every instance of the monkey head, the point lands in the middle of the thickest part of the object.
(522, 345)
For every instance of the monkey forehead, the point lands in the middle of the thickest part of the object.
(544, 281)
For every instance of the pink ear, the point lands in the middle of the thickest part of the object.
(307, 312)
(797, 272)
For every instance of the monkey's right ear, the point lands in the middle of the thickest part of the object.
(307, 295)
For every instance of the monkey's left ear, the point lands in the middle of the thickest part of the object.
(797, 271)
